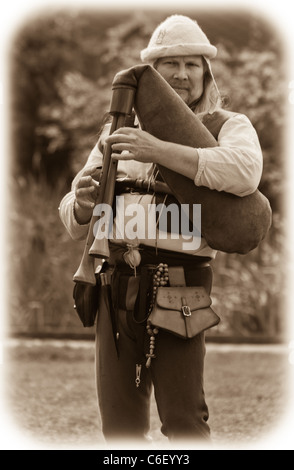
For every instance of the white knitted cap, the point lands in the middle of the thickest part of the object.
(178, 35)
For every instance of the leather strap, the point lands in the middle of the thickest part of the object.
(187, 317)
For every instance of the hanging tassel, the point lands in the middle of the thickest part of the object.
(132, 257)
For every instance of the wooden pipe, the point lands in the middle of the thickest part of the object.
(121, 106)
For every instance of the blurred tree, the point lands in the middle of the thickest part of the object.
(43, 53)
(253, 86)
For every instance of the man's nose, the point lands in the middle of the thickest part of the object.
(181, 73)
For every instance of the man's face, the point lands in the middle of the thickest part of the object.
(184, 75)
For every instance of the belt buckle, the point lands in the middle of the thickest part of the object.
(186, 311)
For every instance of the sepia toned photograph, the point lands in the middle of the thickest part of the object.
(146, 250)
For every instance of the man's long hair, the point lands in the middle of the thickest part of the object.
(210, 99)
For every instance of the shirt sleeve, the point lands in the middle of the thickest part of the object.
(66, 214)
(235, 165)
(66, 207)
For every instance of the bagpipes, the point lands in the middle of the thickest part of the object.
(229, 223)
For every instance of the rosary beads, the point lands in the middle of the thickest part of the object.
(160, 278)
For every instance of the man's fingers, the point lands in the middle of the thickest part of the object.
(117, 139)
(125, 134)
(85, 204)
(122, 130)
(84, 181)
(84, 191)
(87, 181)
(119, 147)
(92, 171)
(125, 155)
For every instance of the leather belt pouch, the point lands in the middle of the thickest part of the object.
(86, 299)
(184, 311)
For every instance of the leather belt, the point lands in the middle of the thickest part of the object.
(153, 256)
(141, 186)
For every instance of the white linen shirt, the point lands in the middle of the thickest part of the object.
(235, 166)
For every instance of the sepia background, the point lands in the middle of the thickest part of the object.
(61, 63)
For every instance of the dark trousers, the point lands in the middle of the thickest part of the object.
(176, 375)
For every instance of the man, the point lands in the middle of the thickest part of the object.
(181, 54)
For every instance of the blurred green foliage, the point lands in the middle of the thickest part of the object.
(61, 68)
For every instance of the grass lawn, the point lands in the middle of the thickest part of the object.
(50, 394)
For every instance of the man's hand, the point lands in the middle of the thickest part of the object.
(129, 143)
(86, 193)
(135, 144)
